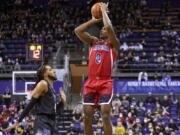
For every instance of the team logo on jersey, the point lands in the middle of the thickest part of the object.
(100, 47)
(98, 58)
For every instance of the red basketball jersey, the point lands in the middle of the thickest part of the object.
(101, 59)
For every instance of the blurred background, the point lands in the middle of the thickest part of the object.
(146, 74)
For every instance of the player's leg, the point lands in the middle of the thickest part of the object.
(106, 118)
(88, 118)
(43, 125)
(106, 94)
(89, 100)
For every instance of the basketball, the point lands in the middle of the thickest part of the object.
(96, 11)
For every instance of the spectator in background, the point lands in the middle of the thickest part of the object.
(130, 57)
(143, 3)
(125, 102)
(168, 64)
(119, 129)
(172, 126)
(7, 97)
(2, 68)
(2, 46)
(136, 47)
(18, 2)
(143, 76)
(123, 61)
(116, 101)
(158, 109)
(156, 77)
(79, 107)
(125, 32)
(139, 47)
(77, 115)
(144, 58)
(166, 77)
(136, 58)
(144, 34)
(17, 65)
(10, 63)
(116, 109)
(167, 131)
(124, 47)
(150, 99)
(72, 130)
(99, 128)
(5, 123)
(173, 99)
(165, 105)
(96, 116)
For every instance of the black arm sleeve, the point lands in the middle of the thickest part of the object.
(27, 109)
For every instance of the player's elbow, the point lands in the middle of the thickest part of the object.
(76, 31)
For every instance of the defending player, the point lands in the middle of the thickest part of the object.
(45, 100)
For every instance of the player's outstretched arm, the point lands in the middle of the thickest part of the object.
(81, 33)
(62, 95)
(107, 23)
(39, 90)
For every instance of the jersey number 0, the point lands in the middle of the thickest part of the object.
(98, 58)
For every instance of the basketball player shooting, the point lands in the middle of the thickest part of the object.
(98, 87)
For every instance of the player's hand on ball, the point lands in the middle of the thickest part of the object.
(104, 7)
(96, 20)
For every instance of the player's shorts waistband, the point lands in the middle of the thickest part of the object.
(99, 77)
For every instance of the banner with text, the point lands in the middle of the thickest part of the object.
(156, 87)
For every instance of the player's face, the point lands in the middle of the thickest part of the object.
(103, 33)
(51, 73)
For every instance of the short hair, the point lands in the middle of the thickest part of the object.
(40, 74)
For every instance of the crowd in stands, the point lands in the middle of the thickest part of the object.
(164, 53)
(21, 21)
(163, 56)
(9, 114)
(143, 76)
(167, 56)
(54, 22)
(131, 116)
(151, 115)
